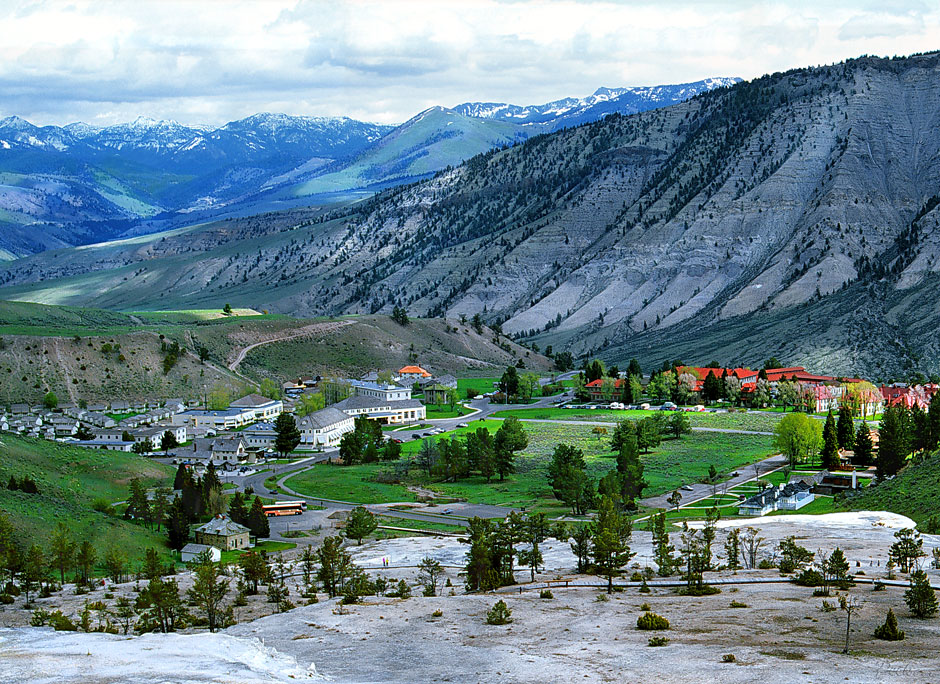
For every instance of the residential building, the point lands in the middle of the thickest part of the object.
(909, 396)
(259, 436)
(791, 496)
(223, 534)
(437, 394)
(325, 427)
(377, 391)
(413, 373)
(402, 412)
(226, 419)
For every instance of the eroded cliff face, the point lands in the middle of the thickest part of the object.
(752, 203)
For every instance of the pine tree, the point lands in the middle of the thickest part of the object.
(177, 524)
(236, 509)
(733, 549)
(662, 550)
(361, 523)
(208, 591)
(180, 477)
(581, 546)
(893, 442)
(611, 536)
(85, 560)
(863, 445)
(258, 521)
(510, 438)
(932, 438)
(846, 428)
(921, 598)
(830, 450)
(889, 630)
(62, 548)
(287, 435)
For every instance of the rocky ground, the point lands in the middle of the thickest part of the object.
(780, 634)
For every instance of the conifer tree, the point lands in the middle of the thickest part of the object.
(863, 445)
(846, 428)
(921, 598)
(258, 521)
(662, 550)
(830, 450)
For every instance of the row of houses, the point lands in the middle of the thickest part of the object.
(798, 492)
(909, 396)
(241, 412)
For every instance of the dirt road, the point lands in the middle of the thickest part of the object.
(306, 331)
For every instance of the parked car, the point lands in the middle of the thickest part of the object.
(462, 425)
(396, 440)
(416, 435)
(447, 511)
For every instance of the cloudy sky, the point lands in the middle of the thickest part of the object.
(213, 61)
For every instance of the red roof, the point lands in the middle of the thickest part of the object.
(414, 370)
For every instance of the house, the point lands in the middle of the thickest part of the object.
(98, 407)
(604, 389)
(154, 435)
(175, 405)
(380, 391)
(120, 406)
(825, 482)
(325, 427)
(105, 444)
(223, 534)
(262, 407)
(226, 419)
(189, 552)
(437, 394)
(413, 373)
(786, 497)
(19, 409)
(909, 396)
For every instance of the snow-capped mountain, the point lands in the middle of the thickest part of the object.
(571, 110)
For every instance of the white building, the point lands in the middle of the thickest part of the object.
(262, 407)
(377, 391)
(325, 427)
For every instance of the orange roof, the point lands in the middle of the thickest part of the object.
(414, 370)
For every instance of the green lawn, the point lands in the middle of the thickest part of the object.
(417, 524)
(260, 547)
(481, 385)
(70, 480)
(759, 422)
(674, 463)
(445, 411)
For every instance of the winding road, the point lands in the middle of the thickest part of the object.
(306, 331)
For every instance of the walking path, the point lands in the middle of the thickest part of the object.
(307, 330)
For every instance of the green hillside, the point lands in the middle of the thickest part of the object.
(913, 492)
(70, 480)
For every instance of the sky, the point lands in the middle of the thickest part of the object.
(212, 61)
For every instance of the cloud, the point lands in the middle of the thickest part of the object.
(384, 60)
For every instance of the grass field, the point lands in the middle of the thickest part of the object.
(444, 411)
(913, 492)
(674, 463)
(481, 385)
(70, 480)
(260, 547)
(759, 422)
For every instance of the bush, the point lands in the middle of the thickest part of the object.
(889, 630)
(350, 599)
(645, 608)
(657, 641)
(820, 592)
(728, 658)
(738, 604)
(60, 623)
(39, 618)
(827, 607)
(101, 506)
(651, 621)
(645, 588)
(546, 594)
(6, 599)
(637, 576)
(766, 564)
(402, 590)
(437, 613)
(879, 586)
(500, 614)
(809, 578)
(699, 590)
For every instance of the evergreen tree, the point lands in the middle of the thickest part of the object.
(168, 441)
(889, 630)
(932, 441)
(481, 574)
(85, 561)
(258, 521)
(152, 568)
(254, 569)
(907, 549)
(287, 436)
(662, 550)
(361, 523)
(177, 524)
(611, 537)
(180, 477)
(863, 445)
(34, 570)
(835, 570)
(510, 438)
(893, 442)
(830, 450)
(161, 506)
(581, 545)
(509, 383)
(138, 505)
(733, 549)
(236, 509)
(921, 598)
(711, 387)
(208, 590)
(846, 428)
(569, 480)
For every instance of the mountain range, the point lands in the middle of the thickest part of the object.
(793, 215)
(79, 184)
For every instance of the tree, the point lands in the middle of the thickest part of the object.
(711, 387)
(849, 604)
(427, 456)
(662, 550)
(581, 545)
(258, 520)
(85, 560)
(62, 549)
(152, 568)
(750, 547)
(835, 570)
(674, 499)
(50, 401)
(920, 597)
(893, 443)
(648, 433)
(116, 564)
(361, 523)
(227, 309)
(138, 505)
(510, 439)
(611, 537)
(254, 570)
(679, 425)
(34, 570)
(788, 393)
(797, 436)
(208, 590)
(732, 549)
(933, 423)
(400, 316)
(287, 436)
(83, 433)
(568, 479)
(509, 382)
(762, 394)
(219, 398)
(125, 613)
(846, 428)
(863, 445)
(270, 389)
(482, 574)
(793, 557)
(889, 630)
(160, 507)
(907, 549)
(430, 573)
(310, 403)
(177, 525)
(534, 530)
(160, 606)
(499, 614)
(830, 450)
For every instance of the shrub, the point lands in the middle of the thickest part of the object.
(699, 590)
(101, 506)
(637, 576)
(645, 608)
(766, 564)
(6, 599)
(738, 604)
(500, 614)
(879, 586)
(602, 598)
(827, 607)
(809, 578)
(657, 641)
(351, 598)
(402, 590)
(39, 618)
(651, 621)
(60, 623)
(820, 592)
(546, 594)
(728, 658)
(437, 613)
(644, 588)
(889, 630)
